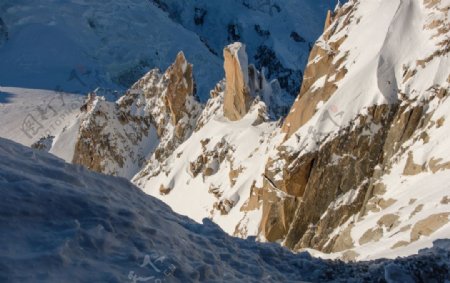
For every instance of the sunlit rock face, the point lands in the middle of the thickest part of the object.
(237, 91)
(244, 82)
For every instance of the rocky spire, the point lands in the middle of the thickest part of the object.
(237, 91)
(244, 82)
(180, 86)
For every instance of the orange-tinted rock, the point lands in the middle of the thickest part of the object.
(237, 91)
(180, 86)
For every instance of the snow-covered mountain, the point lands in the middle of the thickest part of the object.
(358, 169)
(81, 45)
(365, 161)
(63, 223)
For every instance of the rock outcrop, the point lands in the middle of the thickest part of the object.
(155, 115)
(328, 20)
(44, 143)
(213, 167)
(179, 88)
(311, 182)
(243, 82)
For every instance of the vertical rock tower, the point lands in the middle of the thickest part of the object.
(237, 98)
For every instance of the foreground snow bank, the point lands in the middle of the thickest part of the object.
(62, 223)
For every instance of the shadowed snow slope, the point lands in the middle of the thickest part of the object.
(62, 223)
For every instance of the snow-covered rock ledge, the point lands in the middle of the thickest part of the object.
(63, 223)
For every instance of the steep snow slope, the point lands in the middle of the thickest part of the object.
(82, 45)
(62, 223)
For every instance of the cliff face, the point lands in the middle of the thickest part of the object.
(366, 104)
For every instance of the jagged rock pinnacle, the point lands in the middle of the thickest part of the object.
(237, 93)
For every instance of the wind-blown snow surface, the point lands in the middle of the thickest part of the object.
(82, 45)
(62, 223)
